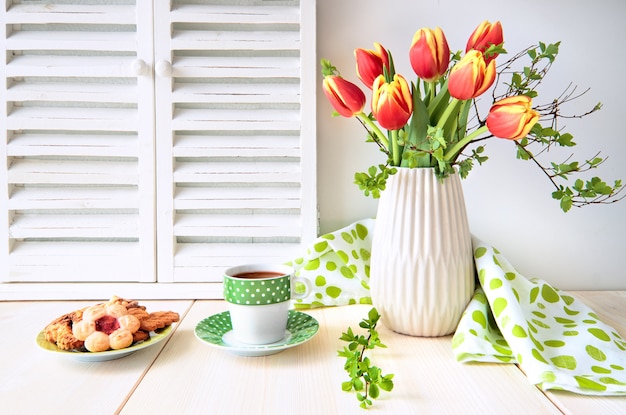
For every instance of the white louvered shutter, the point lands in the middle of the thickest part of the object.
(235, 141)
(78, 182)
(153, 141)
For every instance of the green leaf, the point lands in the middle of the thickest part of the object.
(566, 203)
(373, 315)
(348, 335)
(438, 105)
(419, 122)
(566, 140)
(578, 185)
(600, 186)
(595, 161)
(358, 384)
(387, 383)
(374, 392)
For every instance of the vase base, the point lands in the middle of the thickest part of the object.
(436, 329)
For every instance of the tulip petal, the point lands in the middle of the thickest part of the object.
(429, 54)
(512, 118)
(345, 97)
(485, 35)
(392, 103)
(471, 77)
(371, 63)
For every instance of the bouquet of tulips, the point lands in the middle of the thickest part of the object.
(433, 121)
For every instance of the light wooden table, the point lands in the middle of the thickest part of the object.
(182, 375)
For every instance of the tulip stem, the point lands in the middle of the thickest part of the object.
(373, 128)
(395, 149)
(452, 153)
(432, 93)
(448, 112)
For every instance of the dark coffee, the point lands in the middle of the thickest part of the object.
(257, 275)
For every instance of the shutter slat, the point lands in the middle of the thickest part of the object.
(205, 262)
(42, 198)
(249, 226)
(236, 120)
(195, 198)
(237, 172)
(249, 40)
(73, 119)
(64, 144)
(70, 14)
(235, 14)
(66, 41)
(236, 67)
(225, 92)
(236, 146)
(222, 152)
(74, 261)
(74, 226)
(36, 171)
(69, 66)
(72, 92)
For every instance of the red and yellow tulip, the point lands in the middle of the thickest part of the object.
(345, 97)
(392, 104)
(485, 35)
(471, 76)
(512, 117)
(429, 54)
(370, 63)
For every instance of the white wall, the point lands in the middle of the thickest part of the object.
(509, 201)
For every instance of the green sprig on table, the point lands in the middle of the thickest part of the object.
(366, 379)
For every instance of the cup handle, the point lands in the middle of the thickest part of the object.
(307, 285)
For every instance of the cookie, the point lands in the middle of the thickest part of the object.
(158, 320)
(140, 336)
(66, 339)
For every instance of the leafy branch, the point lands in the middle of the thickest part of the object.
(461, 144)
(367, 380)
(526, 82)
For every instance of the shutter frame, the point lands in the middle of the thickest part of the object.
(254, 97)
(132, 171)
(79, 147)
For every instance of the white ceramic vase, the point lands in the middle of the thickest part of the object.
(422, 265)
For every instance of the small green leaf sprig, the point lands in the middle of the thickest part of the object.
(366, 379)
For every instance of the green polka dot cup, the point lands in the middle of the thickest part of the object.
(259, 298)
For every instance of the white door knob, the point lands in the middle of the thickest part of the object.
(139, 68)
(163, 69)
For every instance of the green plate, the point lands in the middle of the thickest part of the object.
(86, 356)
(217, 331)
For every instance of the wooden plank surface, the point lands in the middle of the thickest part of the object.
(34, 381)
(183, 374)
(307, 379)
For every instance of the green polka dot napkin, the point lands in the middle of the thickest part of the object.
(558, 341)
(337, 264)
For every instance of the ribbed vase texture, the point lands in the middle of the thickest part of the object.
(422, 269)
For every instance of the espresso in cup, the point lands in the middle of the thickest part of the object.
(259, 298)
(255, 275)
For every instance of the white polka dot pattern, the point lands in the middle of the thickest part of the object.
(257, 292)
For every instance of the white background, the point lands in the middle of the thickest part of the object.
(508, 200)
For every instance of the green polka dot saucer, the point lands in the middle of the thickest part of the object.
(216, 331)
